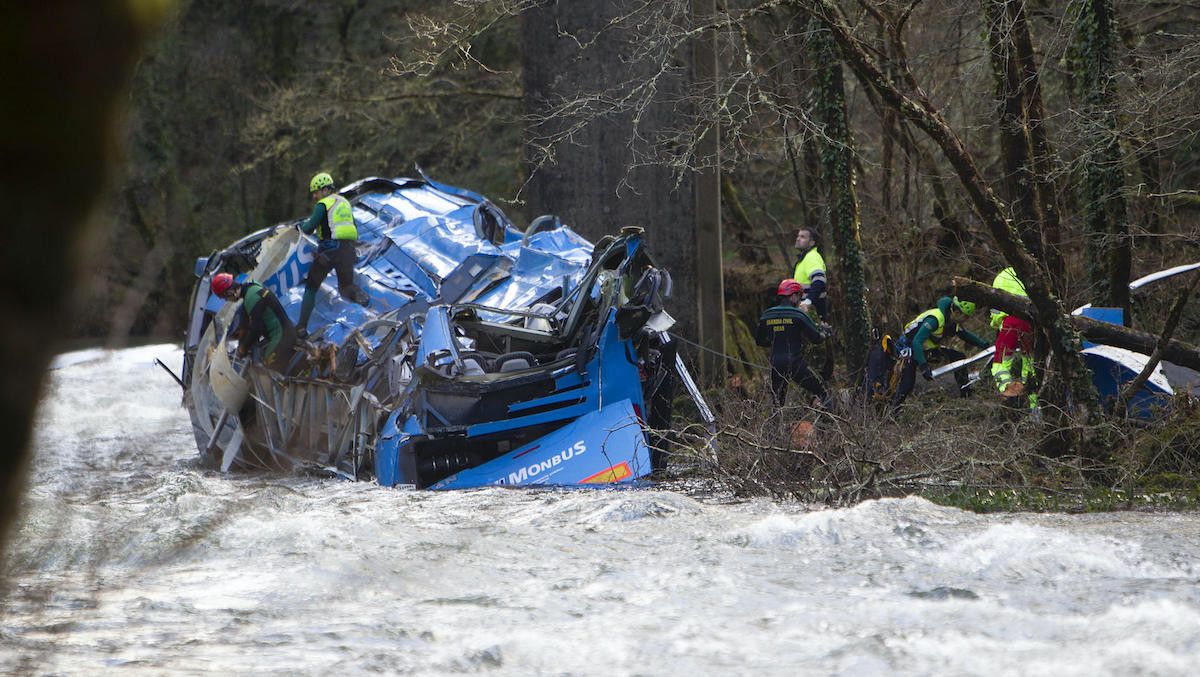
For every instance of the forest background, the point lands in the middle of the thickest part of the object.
(916, 137)
(594, 111)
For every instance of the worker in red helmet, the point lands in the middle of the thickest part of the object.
(785, 329)
(261, 320)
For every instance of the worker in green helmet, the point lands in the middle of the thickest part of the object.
(332, 220)
(922, 340)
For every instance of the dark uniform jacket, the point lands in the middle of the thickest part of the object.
(785, 329)
(264, 317)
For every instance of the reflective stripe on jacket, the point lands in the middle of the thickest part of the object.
(810, 267)
(935, 337)
(785, 329)
(340, 217)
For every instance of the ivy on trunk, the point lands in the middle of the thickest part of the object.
(837, 163)
(1101, 181)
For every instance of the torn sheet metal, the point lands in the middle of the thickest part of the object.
(480, 340)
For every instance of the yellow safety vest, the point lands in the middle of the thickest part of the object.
(811, 263)
(1006, 280)
(936, 336)
(341, 217)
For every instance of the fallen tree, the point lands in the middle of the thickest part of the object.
(902, 94)
(1183, 354)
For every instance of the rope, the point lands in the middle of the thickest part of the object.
(719, 353)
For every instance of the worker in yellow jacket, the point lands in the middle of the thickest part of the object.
(332, 220)
(1014, 339)
(810, 272)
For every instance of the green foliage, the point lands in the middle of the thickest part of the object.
(748, 357)
(237, 104)
(837, 152)
(1093, 57)
(1044, 500)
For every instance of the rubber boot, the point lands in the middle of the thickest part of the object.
(306, 308)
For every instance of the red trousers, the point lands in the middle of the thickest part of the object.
(1014, 333)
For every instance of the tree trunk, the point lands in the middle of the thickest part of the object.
(1102, 183)
(706, 195)
(1014, 138)
(914, 106)
(837, 151)
(1148, 211)
(1025, 150)
(594, 164)
(1040, 151)
(1183, 354)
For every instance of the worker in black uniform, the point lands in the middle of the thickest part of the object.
(785, 328)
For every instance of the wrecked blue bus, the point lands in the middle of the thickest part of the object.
(488, 354)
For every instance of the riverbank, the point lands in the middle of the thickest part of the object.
(976, 454)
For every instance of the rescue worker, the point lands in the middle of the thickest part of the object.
(261, 319)
(922, 340)
(785, 328)
(1014, 337)
(333, 221)
(810, 271)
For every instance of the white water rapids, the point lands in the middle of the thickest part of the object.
(133, 560)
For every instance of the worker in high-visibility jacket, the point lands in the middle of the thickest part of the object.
(922, 340)
(786, 329)
(810, 272)
(332, 220)
(1014, 339)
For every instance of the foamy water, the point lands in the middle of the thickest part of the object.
(133, 560)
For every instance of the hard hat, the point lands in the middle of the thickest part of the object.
(320, 181)
(221, 284)
(789, 287)
(967, 307)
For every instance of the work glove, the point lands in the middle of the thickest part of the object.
(926, 372)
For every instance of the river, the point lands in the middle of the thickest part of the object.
(131, 559)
